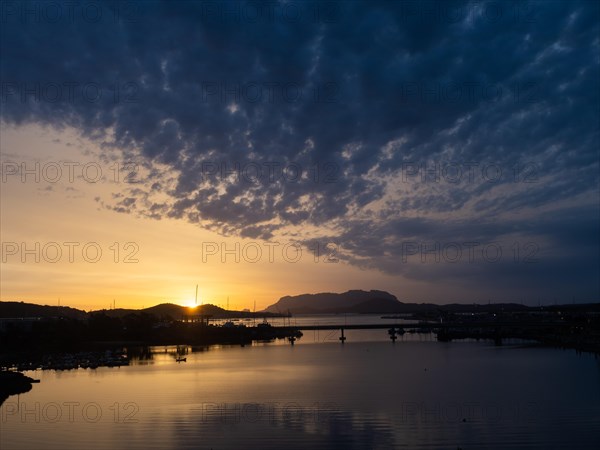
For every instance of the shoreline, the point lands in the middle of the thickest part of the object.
(117, 353)
(14, 383)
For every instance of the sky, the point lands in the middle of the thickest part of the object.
(443, 151)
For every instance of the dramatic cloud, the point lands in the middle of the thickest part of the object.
(372, 125)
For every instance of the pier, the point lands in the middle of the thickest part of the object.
(495, 330)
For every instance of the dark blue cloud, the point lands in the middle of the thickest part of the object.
(357, 95)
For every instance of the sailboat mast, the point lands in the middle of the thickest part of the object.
(196, 298)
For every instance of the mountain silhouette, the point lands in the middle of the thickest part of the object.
(355, 301)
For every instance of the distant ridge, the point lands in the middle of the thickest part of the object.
(376, 302)
(23, 310)
(355, 301)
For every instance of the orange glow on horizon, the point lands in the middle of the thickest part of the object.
(190, 304)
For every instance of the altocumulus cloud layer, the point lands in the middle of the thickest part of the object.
(384, 127)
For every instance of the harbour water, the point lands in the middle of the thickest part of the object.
(365, 394)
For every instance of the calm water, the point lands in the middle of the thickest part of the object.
(318, 394)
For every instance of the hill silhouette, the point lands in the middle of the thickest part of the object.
(21, 309)
(328, 302)
(163, 310)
